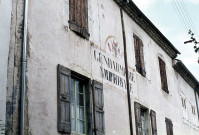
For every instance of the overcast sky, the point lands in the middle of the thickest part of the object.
(163, 15)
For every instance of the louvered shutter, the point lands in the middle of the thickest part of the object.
(85, 19)
(163, 75)
(143, 72)
(153, 122)
(169, 126)
(79, 17)
(98, 108)
(89, 108)
(137, 53)
(138, 118)
(63, 99)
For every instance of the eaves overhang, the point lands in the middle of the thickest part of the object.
(136, 14)
(186, 74)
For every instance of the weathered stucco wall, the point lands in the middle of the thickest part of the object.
(51, 42)
(5, 15)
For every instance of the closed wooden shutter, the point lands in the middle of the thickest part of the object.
(153, 122)
(169, 126)
(79, 17)
(139, 55)
(138, 118)
(143, 72)
(63, 99)
(163, 75)
(98, 108)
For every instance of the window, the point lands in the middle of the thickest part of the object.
(74, 106)
(153, 122)
(78, 21)
(184, 107)
(142, 120)
(169, 126)
(139, 55)
(78, 106)
(163, 75)
(183, 102)
(193, 110)
(73, 100)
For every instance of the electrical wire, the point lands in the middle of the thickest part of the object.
(179, 15)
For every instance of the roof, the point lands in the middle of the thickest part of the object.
(186, 74)
(136, 14)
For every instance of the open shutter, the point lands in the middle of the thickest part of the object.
(153, 122)
(98, 108)
(169, 126)
(79, 17)
(63, 99)
(143, 72)
(89, 108)
(163, 75)
(138, 118)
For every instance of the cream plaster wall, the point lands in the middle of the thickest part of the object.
(52, 43)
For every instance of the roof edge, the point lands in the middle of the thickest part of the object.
(186, 74)
(139, 18)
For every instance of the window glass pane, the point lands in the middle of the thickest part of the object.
(73, 124)
(77, 86)
(72, 111)
(80, 87)
(77, 107)
(72, 96)
(72, 84)
(80, 126)
(81, 100)
(81, 113)
(77, 112)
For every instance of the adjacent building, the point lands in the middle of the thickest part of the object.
(96, 67)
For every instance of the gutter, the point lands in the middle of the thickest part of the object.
(126, 67)
(23, 71)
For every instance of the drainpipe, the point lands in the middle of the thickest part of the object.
(127, 76)
(23, 71)
(197, 101)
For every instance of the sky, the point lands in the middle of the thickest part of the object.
(164, 16)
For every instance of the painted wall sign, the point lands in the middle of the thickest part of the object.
(112, 71)
(113, 47)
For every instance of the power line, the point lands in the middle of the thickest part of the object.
(186, 11)
(179, 15)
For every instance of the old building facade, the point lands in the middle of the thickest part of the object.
(78, 54)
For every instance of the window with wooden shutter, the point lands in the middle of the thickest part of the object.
(63, 100)
(138, 118)
(153, 122)
(79, 17)
(169, 126)
(163, 75)
(139, 55)
(74, 107)
(98, 108)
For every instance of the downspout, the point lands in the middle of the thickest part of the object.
(23, 71)
(197, 105)
(127, 76)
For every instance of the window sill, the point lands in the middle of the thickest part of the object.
(76, 134)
